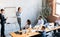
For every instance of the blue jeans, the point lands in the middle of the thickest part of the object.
(19, 22)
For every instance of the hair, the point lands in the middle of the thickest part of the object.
(29, 22)
(19, 8)
(2, 9)
(40, 16)
(43, 27)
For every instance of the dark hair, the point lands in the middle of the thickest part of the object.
(29, 22)
(43, 27)
(19, 8)
(40, 16)
(2, 9)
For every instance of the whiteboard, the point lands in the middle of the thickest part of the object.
(10, 12)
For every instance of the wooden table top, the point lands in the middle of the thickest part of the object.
(55, 28)
(24, 35)
(33, 33)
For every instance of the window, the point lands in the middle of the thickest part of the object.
(58, 7)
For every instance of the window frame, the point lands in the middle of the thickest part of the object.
(55, 7)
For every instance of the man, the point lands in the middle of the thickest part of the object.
(58, 20)
(18, 14)
(3, 21)
(40, 21)
(43, 31)
(57, 23)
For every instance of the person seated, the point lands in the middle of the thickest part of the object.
(28, 24)
(43, 31)
(40, 22)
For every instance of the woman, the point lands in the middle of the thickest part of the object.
(28, 24)
(18, 14)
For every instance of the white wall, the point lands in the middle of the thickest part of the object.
(30, 8)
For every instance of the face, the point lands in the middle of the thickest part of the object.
(2, 12)
(43, 29)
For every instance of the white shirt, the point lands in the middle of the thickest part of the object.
(28, 26)
(57, 21)
(40, 22)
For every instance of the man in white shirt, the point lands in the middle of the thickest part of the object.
(40, 21)
(58, 20)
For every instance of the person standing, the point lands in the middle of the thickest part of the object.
(18, 14)
(3, 21)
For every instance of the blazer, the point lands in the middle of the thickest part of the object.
(2, 18)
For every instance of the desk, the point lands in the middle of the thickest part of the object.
(24, 35)
(33, 33)
(17, 35)
(56, 28)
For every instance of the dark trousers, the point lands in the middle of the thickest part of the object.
(19, 22)
(57, 34)
(2, 30)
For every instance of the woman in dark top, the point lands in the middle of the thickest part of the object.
(3, 21)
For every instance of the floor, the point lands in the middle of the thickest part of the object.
(14, 27)
(10, 28)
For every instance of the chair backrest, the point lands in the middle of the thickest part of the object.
(45, 21)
